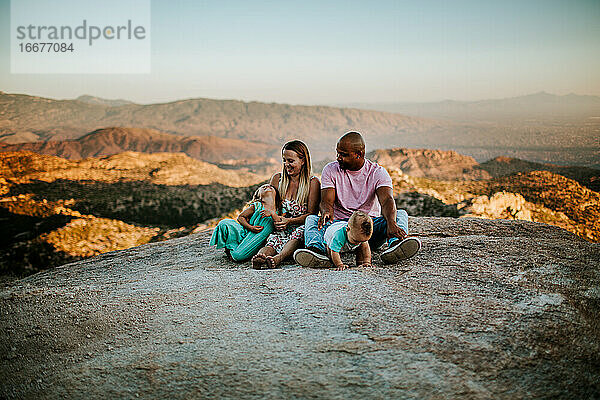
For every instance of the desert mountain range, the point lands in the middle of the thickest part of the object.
(30, 118)
(26, 118)
(538, 106)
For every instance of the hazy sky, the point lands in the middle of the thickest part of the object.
(320, 52)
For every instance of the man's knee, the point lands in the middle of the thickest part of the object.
(311, 220)
(401, 214)
(402, 220)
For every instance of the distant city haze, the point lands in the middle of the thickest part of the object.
(336, 52)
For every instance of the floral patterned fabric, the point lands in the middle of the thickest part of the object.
(278, 239)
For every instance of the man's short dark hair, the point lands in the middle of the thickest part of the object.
(355, 140)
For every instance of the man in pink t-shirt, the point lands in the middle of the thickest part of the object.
(355, 190)
(354, 183)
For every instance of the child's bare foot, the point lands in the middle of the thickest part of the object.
(259, 261)
(228, 253)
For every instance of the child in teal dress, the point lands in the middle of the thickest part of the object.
(243, 238)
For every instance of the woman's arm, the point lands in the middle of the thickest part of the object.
(314, 196)
(245, 216)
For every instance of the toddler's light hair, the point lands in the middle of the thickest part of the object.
(362, 222)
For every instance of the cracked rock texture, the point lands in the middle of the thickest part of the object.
(488, 309)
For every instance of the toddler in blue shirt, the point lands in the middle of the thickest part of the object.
(342, 237)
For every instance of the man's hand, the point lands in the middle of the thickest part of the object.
(255, 228)
(324, 218)
(393, 230)
(388, 210)
(327, 200)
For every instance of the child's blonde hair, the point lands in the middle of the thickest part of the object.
(362, 222)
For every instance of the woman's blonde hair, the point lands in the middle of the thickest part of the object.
(301, 150)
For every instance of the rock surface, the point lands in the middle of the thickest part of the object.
(488, 309)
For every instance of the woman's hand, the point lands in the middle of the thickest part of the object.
(255, 228)
(282, 223)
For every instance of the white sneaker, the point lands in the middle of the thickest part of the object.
(401, 250)
(309, 258)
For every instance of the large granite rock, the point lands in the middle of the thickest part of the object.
(488, 309)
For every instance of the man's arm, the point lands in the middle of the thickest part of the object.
(327, 199)
(388, 210)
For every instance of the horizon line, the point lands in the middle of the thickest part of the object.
(335, 104)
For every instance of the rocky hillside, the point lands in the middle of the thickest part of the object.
(56, 210)
(445, 183)
(157, 168)
(111, 141)
(450, 165)
(487, 310)
(502, 166)
(434, 164)
(539, 196)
